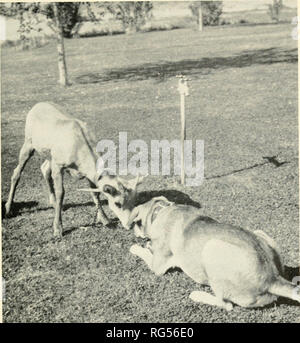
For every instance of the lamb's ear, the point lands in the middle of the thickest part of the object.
(139, 179)
(103, 172)
(133, 183)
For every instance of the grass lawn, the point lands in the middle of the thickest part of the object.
(243, 104)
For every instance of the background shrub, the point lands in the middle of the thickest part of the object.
(211, 11)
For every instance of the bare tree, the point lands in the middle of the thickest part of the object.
(196, 9)
(60, 17)
(275, 10)
(62, 67)
(206, 12)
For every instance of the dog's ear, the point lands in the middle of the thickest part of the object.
(157, 199)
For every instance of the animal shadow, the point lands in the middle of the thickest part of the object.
(17, 207)
(163, 70)
(172, 195)
(86, 204)
(289, 274)
(29, 206)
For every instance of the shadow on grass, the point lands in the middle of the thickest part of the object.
(85, 204)
(161, 71)
(269, 160)
(171, 194)
(289, 274)
(112, 225)
(17, 207)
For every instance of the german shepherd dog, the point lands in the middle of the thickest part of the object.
(240, 266)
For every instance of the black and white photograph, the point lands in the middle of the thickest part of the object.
(150, 163)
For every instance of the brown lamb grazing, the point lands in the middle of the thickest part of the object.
(64, 141)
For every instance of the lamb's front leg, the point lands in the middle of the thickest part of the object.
(46, 171)
(101, 216)
(57, 174)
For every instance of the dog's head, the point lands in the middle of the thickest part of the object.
(140, 217)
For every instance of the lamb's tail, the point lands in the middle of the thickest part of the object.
(284, 288)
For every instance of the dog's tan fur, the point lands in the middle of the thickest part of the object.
(241, 267)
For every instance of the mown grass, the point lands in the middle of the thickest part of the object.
(243, 104)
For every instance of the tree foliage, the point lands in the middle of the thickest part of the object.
(211, 11)
(29, 15)
(63, 16)
(133, 14)
(68, 15)
(60, 16)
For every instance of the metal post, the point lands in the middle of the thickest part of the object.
(183, 91)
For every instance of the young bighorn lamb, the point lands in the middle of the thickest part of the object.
(64, 142)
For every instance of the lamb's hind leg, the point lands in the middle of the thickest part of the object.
(57, 174)
(25, 153)
(46, 171)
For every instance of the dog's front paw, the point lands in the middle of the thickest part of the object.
(135, 249)
(228, 306)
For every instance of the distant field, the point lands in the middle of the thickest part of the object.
(166, 16)
(258, 16)
(243, 104)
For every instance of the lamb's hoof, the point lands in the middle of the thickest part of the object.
(7, 215)
(149, 245)
(101, 220)
(52, 202)
(58, 232)
(106, 223)
(7, 211)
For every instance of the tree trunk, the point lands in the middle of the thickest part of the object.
(200, 18)
(62, 67)
(131, 28)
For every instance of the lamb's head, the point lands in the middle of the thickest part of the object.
(120, 192)
(121, 195)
